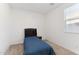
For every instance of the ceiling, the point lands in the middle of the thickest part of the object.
(36, 7)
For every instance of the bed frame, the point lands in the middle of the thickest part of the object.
(31, 32)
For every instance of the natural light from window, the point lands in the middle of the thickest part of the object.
(72, 14)
(71, 18)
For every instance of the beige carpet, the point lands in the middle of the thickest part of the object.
(60, 50)
(17, 49)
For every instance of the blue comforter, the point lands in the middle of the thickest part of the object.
(35, 46)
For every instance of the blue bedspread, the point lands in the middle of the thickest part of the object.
(35, 46)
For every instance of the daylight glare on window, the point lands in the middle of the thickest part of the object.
(72, 14)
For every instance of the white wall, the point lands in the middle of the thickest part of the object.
(55, 31)
(21, 19)
(4, 27)
(12, 25)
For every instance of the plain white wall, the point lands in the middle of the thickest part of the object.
(14, 21)
(55, 30)
(4, 27)
(21, 19)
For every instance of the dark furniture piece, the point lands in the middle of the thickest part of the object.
(30, 32)
(34, 46)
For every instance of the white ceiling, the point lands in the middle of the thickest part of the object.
(36, 7)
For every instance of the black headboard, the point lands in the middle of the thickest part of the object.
(30, 32)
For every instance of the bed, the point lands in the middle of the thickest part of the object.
(34, 45)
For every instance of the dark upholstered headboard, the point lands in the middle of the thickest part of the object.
(30, 32)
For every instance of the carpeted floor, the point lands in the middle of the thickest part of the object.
(17, 49)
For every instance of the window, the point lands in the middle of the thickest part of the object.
(72, 18)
